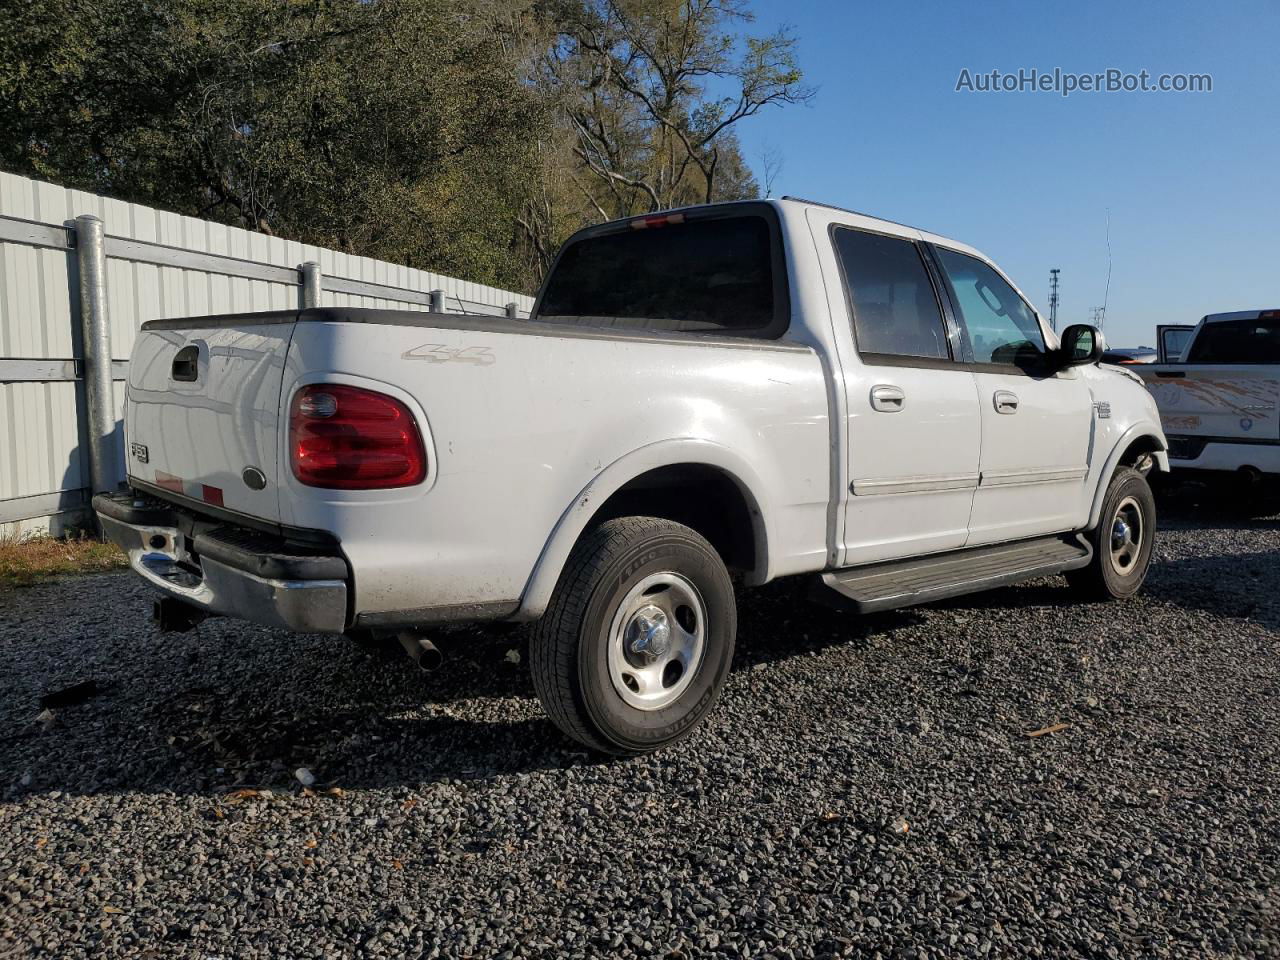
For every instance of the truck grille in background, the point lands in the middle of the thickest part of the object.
(1185, 448)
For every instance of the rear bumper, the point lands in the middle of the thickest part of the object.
(228, 570)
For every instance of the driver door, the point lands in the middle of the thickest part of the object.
(1036, 421)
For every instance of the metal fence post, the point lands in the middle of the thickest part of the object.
(437, 301)
(95, 332)
(310, 285)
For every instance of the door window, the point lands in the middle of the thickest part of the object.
(1000, 326)
(1173, 342)
(895, 309)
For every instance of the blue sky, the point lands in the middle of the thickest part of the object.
(1192, 181)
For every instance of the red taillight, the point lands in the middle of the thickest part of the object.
(349, 438)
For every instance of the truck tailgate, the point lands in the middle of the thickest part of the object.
(1229, 401)
(203, 411)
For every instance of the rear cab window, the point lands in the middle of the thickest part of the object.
(718, 271)
(1237, 341)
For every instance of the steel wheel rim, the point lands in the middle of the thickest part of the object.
(1127, 534)
(657, 640)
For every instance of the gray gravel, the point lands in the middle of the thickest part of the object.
(865, 787)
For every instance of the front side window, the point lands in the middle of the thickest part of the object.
(1174, 341)
(1000, 326)
(895, 309)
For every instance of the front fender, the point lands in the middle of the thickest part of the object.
(1143, 428)
(664, 453)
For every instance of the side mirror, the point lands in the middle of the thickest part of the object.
(1081, 344)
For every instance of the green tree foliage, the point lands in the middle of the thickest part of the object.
(467, 137)
(397, 130)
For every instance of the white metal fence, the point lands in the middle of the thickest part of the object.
(158, 265)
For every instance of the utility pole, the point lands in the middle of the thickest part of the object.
(1053, 298)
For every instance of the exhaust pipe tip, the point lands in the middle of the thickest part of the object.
(421, 651)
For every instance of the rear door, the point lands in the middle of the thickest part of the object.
(1036, 421)
(912, 414)
(203, 413)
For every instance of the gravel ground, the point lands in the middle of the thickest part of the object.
(865, 787)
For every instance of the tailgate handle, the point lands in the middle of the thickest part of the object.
(186, 364)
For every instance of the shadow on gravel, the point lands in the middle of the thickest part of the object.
(1052, 592)
(1193, 504)
(781, 620)
(234, 705)
(1237, 585)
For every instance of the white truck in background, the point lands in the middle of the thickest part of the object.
(702, 397)
(1219, 400)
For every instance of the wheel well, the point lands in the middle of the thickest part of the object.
(1139, 447)
(698, 496)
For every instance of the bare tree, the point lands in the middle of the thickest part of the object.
(636, 78)
(771, 163)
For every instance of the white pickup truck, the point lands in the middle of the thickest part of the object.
(1219, 400)
(722, 394)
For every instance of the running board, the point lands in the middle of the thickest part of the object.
(902, 583)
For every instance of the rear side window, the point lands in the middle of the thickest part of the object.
(1237, 341)
(720, 274)
(1000, 326)
(895, 308)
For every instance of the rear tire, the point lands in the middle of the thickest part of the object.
(638, 638)
(1122, 541)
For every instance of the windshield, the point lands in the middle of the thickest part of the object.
(705, 274)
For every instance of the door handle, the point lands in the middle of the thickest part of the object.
(1006, 401)
(887, 398)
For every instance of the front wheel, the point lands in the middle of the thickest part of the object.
(637, 641)
(1122, 542)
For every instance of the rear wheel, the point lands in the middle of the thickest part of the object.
(1122, 542)
(638, 638)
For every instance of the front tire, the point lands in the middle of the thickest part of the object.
(638, 638)
(1122, 542)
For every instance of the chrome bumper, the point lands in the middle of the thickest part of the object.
(158, 553)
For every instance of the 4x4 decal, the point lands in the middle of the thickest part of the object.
(439, 353)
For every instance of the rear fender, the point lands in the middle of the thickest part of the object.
(578, 515)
